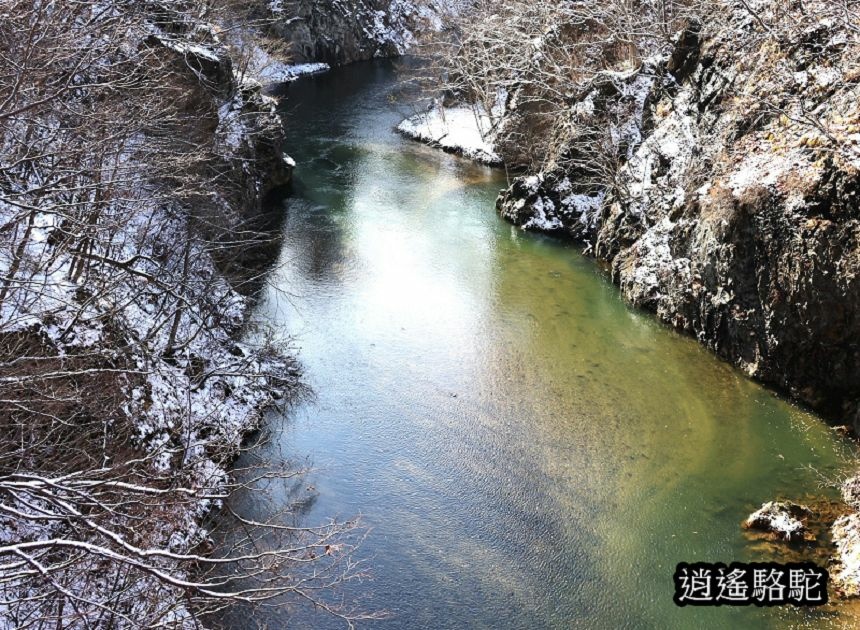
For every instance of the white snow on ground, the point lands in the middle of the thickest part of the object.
(293, 72)
(171, 402)
(206, 395)
(544, 215)
(634, 86)
(846, 537)
(463, 129)
(186, 48)
(264, 67)
(656, 262)
(585, 207)
(231, 129)
(770, 169)
(781, 518)
(673, 142)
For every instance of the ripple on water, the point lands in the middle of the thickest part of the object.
(529, 451)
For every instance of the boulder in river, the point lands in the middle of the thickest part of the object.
(784, 519)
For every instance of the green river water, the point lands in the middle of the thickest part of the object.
(528, 451)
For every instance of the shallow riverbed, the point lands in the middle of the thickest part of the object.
(529, 451)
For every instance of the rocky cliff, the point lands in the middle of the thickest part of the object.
(338, 32)
(731, 205)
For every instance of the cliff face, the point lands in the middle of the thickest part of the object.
(733, 212)
(338, 32)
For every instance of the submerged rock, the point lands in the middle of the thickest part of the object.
(784, 519)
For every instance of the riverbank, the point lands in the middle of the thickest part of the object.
(127, 390)
(720, 192)
(131, 232)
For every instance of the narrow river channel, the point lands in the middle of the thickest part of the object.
(528, 451)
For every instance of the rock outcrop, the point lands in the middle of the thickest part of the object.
(727, 204)
(244, 135)
(846, 536)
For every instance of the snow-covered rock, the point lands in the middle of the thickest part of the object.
(726, 206)
(784, 519)
(138, 298)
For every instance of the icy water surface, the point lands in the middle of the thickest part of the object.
(529, 451)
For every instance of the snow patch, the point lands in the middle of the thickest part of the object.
(585, 207)
(468, 130)
(544, 217)
(766, 169)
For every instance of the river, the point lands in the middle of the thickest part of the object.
(528, 451)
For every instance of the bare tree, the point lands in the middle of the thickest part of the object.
(543, 58)
(126, 154)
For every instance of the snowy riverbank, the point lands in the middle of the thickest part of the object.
(126, 385)
(463, 129)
